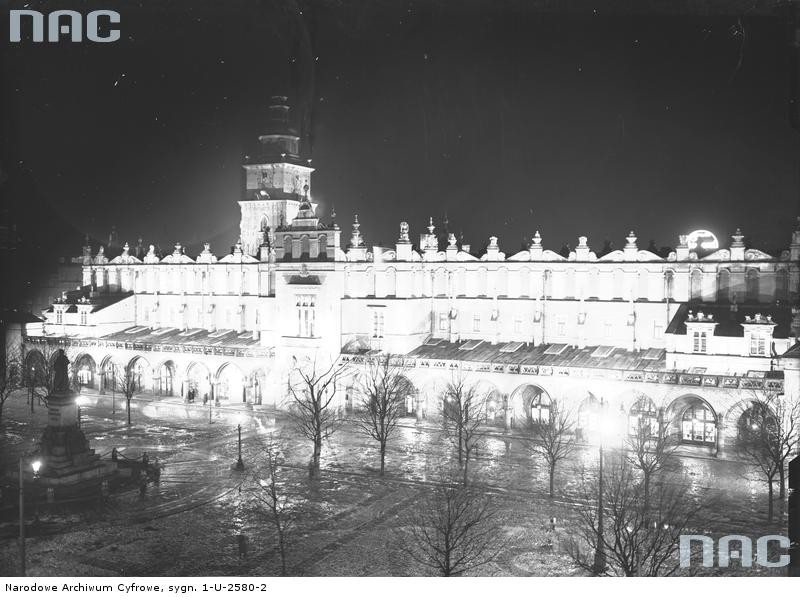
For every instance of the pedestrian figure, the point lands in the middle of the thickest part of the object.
(242, 539)
(114, 454)
(145, 459)
(205, 399)
(156, 470)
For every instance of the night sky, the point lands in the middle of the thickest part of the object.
(507, 118)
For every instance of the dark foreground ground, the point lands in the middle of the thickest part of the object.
(351, 522)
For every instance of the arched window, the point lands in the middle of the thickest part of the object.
(755, 424)
(643, 418)
(669, 284)
(166, 377)
(547, 283)
(483, 281)
(751, 280)
(723, 286)
(502, 282)
(618, 283)
(569, 284)
(696, 285)
(593, 284)
(781, 285)
(391, 282)
(322, 242)
(525, 282)
(644, 284)
(698, 424)
(305, 247)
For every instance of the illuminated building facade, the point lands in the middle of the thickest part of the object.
(688, 338)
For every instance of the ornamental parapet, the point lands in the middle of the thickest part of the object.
(197, 349)
(771, 382)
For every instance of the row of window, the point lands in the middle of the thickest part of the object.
(759, 343)
(560, 326)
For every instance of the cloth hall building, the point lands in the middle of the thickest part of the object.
(690, 337)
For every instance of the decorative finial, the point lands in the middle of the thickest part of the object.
(178, 249)
(404, 233)
(451, 239)
(431, 227)
(206, 247)
(355, 238)
(125, 248)
(537, 239)
(738, 238)
(631, 238)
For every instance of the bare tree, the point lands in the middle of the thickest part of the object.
(40, 372)
(11, 378)
(769, 433)
(125, 381)
(454, 530)
(383, 388)
(312, 390)
(463, 412)
(650, 448)
(632, 538)
(271, 492)
(552, 439)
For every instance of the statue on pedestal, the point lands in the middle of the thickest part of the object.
(61, 372)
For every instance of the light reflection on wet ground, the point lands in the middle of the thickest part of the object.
(198, 457)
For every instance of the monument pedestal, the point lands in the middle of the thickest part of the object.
(65, 452)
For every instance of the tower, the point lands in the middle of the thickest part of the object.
(275, 179)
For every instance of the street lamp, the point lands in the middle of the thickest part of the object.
(608, 431)
(35, 465)
(239, 463)
(33, 374)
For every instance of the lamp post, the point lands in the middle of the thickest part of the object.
(33, 374)
(239, 463)
(35, 466)
(608, 429)
(600, 552)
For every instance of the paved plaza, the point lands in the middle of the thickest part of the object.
(351, 520)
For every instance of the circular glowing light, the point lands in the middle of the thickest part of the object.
(702, 240)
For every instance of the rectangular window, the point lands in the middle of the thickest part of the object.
(306, 315)
(476, 323)
(84, 318)
(758, 345)
(377, 324)
(561, 328)
(443, 322)
(518, 325)
(699, 342)
(658, 330)
(59, 316)
(607, 329)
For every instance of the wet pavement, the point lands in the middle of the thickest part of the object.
(189, 522)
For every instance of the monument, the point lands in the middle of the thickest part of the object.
(67, 460)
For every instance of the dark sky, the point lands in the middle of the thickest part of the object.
(508, 118)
